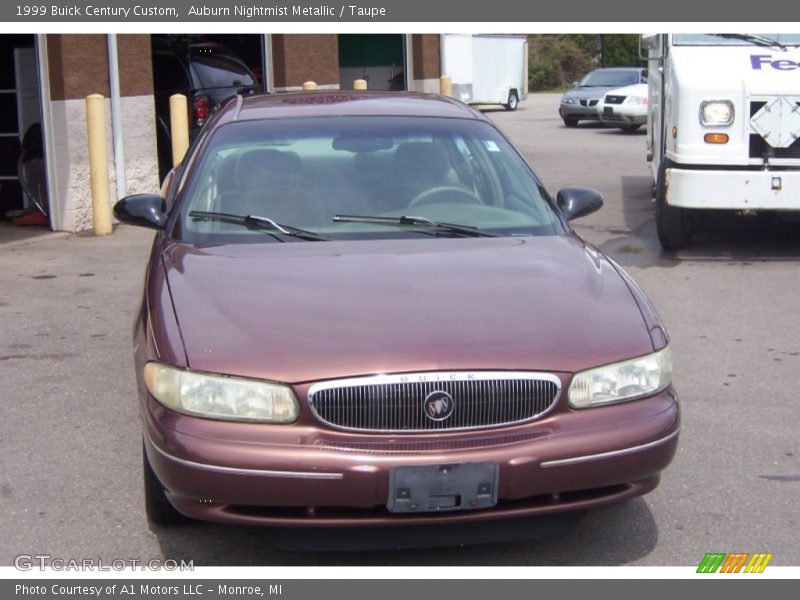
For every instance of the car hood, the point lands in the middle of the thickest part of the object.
(308, 311)
(588, 93)
(637, 89)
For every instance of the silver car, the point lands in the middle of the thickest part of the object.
(625, 107)
(579, 103)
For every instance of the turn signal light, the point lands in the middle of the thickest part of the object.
(716, 138)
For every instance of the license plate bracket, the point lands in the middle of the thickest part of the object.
(441, 488)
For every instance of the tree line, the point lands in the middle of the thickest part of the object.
(555, 61)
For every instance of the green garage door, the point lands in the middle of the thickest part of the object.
(376, 58)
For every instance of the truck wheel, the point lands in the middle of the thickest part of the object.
(159, 510)
(513, 100)
(672, 223)
(570, 121)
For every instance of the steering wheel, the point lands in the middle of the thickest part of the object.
(445, 193)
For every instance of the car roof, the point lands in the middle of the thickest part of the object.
(343, 103)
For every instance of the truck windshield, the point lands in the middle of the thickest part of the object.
(721, 39)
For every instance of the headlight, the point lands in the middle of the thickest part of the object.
(621, 381)
(220, 397)
(636, 100)
(716, 113)
(567, 100)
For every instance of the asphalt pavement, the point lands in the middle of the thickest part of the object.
(70, 466)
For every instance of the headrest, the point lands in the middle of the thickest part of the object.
(423, 160)
(267, 168)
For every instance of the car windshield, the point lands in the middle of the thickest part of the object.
(745, 39)
(450, 175)
(615, 79)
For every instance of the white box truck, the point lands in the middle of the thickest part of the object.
(487, 69)
(723, 126)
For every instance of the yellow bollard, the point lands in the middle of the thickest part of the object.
(98, 163)
(179, 126)
(360, 84)
(309, 86)
(446, 85)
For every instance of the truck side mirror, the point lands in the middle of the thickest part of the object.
(650, 46)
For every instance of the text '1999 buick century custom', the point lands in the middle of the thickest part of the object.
(363, 308)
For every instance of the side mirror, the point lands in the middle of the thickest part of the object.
(577, 202)
(573, 84)
(650, 46)
(142, 210)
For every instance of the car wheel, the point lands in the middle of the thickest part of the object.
(513, 101)
(673, 223)
(570, 121)
(157, 506)
(630, 127)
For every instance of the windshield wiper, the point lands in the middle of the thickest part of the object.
(260, 223)
(758, 40)
(409, 220)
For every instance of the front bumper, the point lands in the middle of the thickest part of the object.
(733, 189)
(309, 475)
(578, 111)
(621, 115)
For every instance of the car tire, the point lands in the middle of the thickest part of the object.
(673, 224)
(157, 507)
(570, 121)
(513, 101)
(630, 127)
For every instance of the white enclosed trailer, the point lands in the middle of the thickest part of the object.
(723, 127)
(487, 69)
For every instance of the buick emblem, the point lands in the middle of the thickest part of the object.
(438, 405)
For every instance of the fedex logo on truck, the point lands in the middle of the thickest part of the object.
(781, 64)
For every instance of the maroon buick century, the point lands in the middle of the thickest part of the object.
(365, 309)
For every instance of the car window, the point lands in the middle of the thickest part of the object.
(220, 70)
(604, 78)
(303, 172)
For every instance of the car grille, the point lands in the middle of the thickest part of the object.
(588, 102)
(400, 403)
(614, 99)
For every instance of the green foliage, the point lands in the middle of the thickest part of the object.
(555, 61)
(621, 51)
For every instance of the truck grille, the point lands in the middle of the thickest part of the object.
(422, 402)
(756, 106)
(759, 148)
